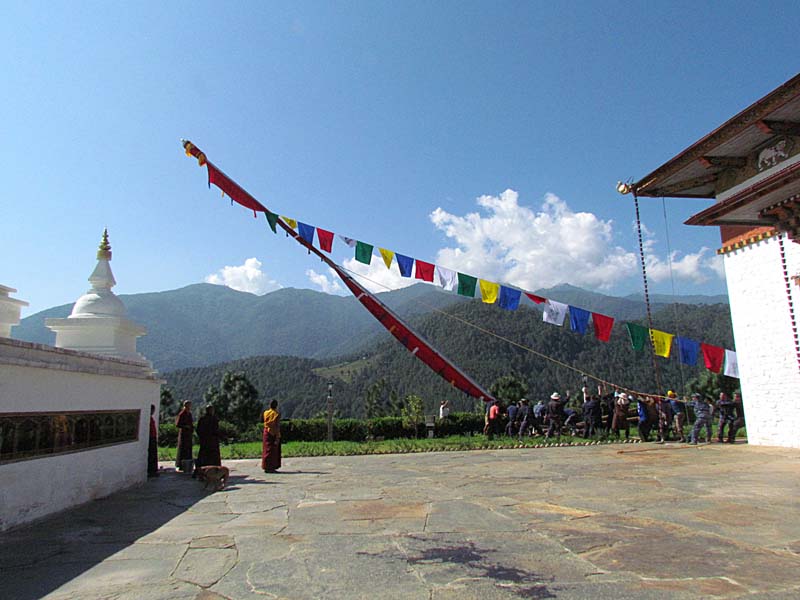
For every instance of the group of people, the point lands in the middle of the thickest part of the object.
(208, 436)
(610, 414)
(522, 419)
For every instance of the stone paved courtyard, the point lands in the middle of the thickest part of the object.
(617, 521)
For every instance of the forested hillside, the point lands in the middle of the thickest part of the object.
(485, 351)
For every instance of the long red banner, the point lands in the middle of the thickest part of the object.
(402, 332)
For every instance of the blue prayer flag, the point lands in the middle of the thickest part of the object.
(689, 350)
(509, 298)
(306, 232)
(579, 319)
(406, 263)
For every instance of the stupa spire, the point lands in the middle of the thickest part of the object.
(104, 250)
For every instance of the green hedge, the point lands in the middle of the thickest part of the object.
(459, 424)
(167, 434)
(351, 430)
(388, 428)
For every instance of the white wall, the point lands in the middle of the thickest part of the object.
(37, 378)
(770, 375)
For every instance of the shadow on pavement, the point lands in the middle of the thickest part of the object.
(234, 481)
(298, 473)
(39, 558)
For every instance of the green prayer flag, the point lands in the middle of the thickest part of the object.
(638, 335)
(363, 252)
(272, 219)
(466, 285)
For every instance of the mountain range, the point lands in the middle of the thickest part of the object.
(204, 324)
(488, 343)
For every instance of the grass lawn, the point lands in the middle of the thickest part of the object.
(401, 446)
(398, 446)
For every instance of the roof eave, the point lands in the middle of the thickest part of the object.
(732, 127)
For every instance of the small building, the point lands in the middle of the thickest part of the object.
(74, 419)
(750, 167)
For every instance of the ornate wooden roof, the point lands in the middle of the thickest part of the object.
(749, 163)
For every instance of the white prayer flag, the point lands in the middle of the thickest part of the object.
(446, 278)
(349, 241)
(554, 312)
(731, 364)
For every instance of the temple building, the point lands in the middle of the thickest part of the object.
(74, 418)
(750, 167)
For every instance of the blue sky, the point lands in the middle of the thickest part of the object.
(485, 137)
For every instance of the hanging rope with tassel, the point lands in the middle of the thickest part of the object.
(656, 371)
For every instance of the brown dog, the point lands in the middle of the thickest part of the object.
(213, 474)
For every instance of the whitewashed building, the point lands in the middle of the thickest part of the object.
(750, 167)
(74, 419)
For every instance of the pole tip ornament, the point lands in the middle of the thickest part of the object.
(104, 250)
(624, 187)
(192, 150)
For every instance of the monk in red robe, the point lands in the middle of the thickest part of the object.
(208, 435)
(271, 448)
(185, 424)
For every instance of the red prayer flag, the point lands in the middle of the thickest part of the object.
(232, 189)
(325, 239)
(424, 271)
(713, 356)
(602, 326)
(535, 298)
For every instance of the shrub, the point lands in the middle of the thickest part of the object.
(387, 427)
(228, 432)
(254, 433)
(351, 430)
(167, 434)
(304, 430)
(459, 424)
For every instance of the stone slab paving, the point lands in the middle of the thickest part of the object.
(617, 521)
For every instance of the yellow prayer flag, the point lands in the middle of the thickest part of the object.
(290, 222)
(387, 255)
(662, 342)
(489, 291)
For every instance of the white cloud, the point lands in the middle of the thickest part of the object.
(716, 264)
(515, 244)
(697, 267)
(326, 283)
(692, 267)
(247, 277)
(376, 277)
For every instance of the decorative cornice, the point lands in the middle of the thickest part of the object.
(746, 241)
(786, 215)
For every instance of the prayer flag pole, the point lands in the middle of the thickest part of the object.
(402, 332)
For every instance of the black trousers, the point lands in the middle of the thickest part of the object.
(152, 457)
(593, 426)
(554, 427)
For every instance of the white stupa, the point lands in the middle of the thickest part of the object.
(98, 323)
(10, 310)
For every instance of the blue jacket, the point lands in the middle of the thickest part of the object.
(512, 413)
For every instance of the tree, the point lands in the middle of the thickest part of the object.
(169, 406)
(509, 388)
(235, 400)
(710, 384)
(413, 412)
(372, 399)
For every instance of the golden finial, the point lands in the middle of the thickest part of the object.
(104, 251)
